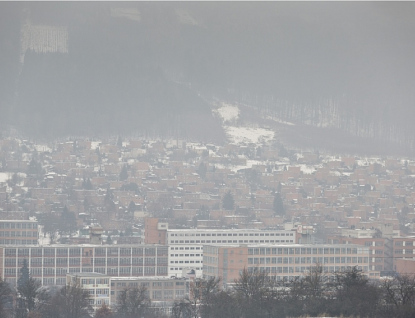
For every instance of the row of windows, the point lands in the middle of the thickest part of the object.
(17, 242)
(181, 248)
(302, 250)
(95, 281)
(186, 255)
(231, 234)
(181, 268)
(148, 251)
(17, 225)
(76, 252)
(134, 271)
(326, 269)
(307, 260)
(407, 243)
(376, 243)
(18, 234)
(406, 251)
(99, 291)
(229, 241)
(161, 294)
(185, 262)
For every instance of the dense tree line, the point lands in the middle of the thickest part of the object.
(30, 300)
(253, 295)
(256, 295)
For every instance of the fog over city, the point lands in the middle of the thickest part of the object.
(207, 159)
(159, 68)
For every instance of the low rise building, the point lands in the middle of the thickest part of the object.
(97, 285)
(162, 291)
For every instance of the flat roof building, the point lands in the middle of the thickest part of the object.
(186, 245)
(50, 264)
(97, 285)
(162, 291)
(283, 262)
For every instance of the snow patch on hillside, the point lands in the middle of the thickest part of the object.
(227, 112)
(239, 135)
(128, 13)
(276, 119)
(185, 17)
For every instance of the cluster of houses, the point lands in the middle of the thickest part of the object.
(178, 209)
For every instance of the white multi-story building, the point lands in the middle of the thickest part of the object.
(186, 246)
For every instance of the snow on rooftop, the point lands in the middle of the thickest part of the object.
(4, 176)
(42, 148)
(307, 169)
(368, 161)
(95, 144)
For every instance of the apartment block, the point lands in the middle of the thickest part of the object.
(283, 262)
(186, 245)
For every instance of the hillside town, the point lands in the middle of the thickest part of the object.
(162, 213)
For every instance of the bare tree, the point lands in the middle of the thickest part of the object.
(399, 296)
(133, 302)
(182, 308)
(354, 294)
(73, 302)
(255, 294)
(103, 312)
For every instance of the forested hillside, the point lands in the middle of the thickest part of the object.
(142, 67)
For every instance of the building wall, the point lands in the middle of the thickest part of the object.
(281, 261)
(377, 250)
(405, 266)
(186, 246)
(152, 233)
(97, 285)
(51, 264)
(19, 232)
(160, 289)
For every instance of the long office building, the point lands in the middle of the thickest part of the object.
(283, 262)
(186, 245)
(24, 232)
(50, 264)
